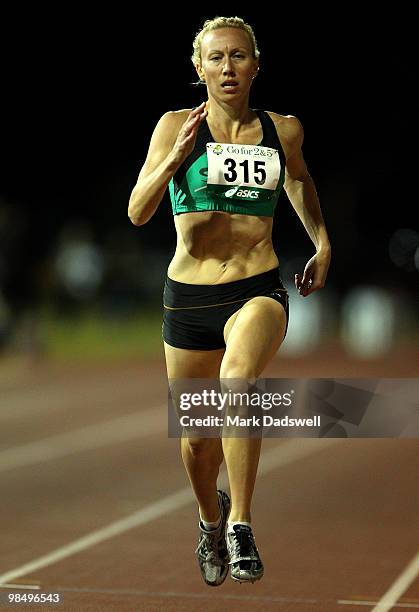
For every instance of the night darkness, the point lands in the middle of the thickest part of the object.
(82, 96)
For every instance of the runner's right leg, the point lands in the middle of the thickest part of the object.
(202, 458)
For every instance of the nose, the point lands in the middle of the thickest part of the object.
(228, 67)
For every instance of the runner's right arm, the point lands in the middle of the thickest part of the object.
(172, 141)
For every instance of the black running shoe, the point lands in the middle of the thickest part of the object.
(246, 565)
(212, 548)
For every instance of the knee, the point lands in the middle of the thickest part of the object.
(201, 447)
(240, 380)
(238, 369)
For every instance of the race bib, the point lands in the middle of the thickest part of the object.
(244, 172)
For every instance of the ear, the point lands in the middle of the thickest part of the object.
(200, 72)
(256, 71)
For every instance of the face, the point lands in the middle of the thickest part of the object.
(228, 66)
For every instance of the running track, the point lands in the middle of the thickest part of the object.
(95, 503)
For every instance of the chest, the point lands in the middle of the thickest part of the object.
(251, 134)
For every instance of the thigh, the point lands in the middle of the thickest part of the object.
(186, 363)
(253, 335)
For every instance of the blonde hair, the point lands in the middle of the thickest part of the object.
(222, 22)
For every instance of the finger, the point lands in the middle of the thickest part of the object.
(190, 138)
(192, 122)
(189, 127)
(309, 288)
(306, 277)
(198, 109)
(192, 132)
(303, 285)
(200, 117)
(193, 128)
(195, 122)
(196, 116)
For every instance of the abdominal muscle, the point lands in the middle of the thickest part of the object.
(218, 247)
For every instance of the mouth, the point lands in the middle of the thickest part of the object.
(229, 84)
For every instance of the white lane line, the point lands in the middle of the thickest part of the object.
(61, 397)
(20, 586)
(57, 397)
(284, 454)
(400, 586)
(353, 602)
(129, 427)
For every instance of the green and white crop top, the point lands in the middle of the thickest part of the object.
(234, 178)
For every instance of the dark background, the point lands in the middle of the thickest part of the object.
(82, 94)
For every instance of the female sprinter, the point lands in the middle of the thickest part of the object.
(225, 308)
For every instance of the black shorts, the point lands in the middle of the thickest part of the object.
(195, 315)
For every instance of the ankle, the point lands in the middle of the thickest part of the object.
(211, 525)
(236, 517)
(231, 524)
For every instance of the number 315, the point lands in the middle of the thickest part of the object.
(259, 173)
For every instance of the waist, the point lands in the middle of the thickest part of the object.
(181, 295)
(211, 270)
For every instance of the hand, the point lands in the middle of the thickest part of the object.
(315, 273)
(186, 138)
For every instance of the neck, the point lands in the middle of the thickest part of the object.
(229, 117)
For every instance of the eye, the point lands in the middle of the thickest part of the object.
(215, 57)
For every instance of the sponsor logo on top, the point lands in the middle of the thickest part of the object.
(218, 149)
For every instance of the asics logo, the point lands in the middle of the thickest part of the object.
(247, 193)
(230, 193)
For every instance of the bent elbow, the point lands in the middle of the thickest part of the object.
(134, 221)
(134, 214)
(135, 218)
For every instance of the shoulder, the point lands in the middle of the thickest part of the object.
(174, 118)
(289, 130)
(167, 128)
(289, 125)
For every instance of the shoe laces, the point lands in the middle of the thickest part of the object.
(243, 543)
(208, 547)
